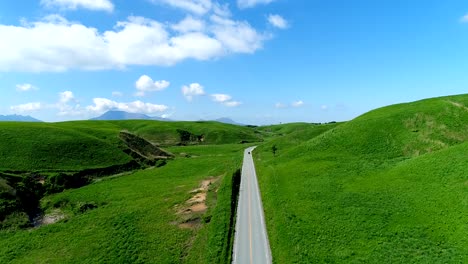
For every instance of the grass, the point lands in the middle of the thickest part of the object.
(136, 217)
(388, 187)
(40, 146)
(78, 145)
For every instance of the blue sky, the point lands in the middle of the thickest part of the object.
(256, 61)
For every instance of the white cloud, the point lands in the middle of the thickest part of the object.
(225, 99)
(194, 89)
(102, 105)
(67, 105)
(104, 5)
(221, 98)
(464, 19)
(277, 21)
(117, 94)
(324, 107)
(237, 36)
(298, 103)
(28, 107)
(199, 7)
(251, 3)
(280, 105)
(145, 84)
(189, 24)
(232, 103)
(25, 87)
(66, 97)
(222, 10)
(55, 44)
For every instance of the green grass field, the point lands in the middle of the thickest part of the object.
(136, 219)
(388, 187)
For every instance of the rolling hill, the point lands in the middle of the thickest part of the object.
(56, 171)
(386, 187)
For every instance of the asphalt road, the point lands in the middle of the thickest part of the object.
(251, 240)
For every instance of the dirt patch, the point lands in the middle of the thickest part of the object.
(191, 211)
(191, 224)
(49, 218)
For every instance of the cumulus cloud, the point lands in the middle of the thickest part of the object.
(103, 5)
(221, 98)
(198, 7)
(298, 103)
(102, 105)
(55, 44)
(251, 3)
(237, 36)
(225, 99)
(189, 24)
(66, 97)
(192, 90)
(278, 21)
(145, 84)
(67, 105)
(25, 87)
(28, 107)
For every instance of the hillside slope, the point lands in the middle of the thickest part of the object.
(73, 146)
(386, 187)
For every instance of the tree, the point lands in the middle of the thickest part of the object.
(274, 149)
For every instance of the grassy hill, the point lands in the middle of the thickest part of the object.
(387, 187)
(140, 216)
(38, 159)
(74, 146)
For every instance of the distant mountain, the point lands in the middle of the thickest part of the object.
(227, 120)
(18, 118)
(122, 115)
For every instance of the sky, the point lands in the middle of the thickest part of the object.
(255, 61)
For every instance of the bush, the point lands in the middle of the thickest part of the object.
(16, 220)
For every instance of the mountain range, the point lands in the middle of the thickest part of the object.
(122, 115)
(18, 118)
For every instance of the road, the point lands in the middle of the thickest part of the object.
(251, 240)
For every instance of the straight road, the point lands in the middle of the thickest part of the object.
(251, 240)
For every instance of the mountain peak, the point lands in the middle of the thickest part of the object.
(227, 120)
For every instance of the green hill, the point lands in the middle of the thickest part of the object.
(42, 146)
(386, 187)
(74, 146)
